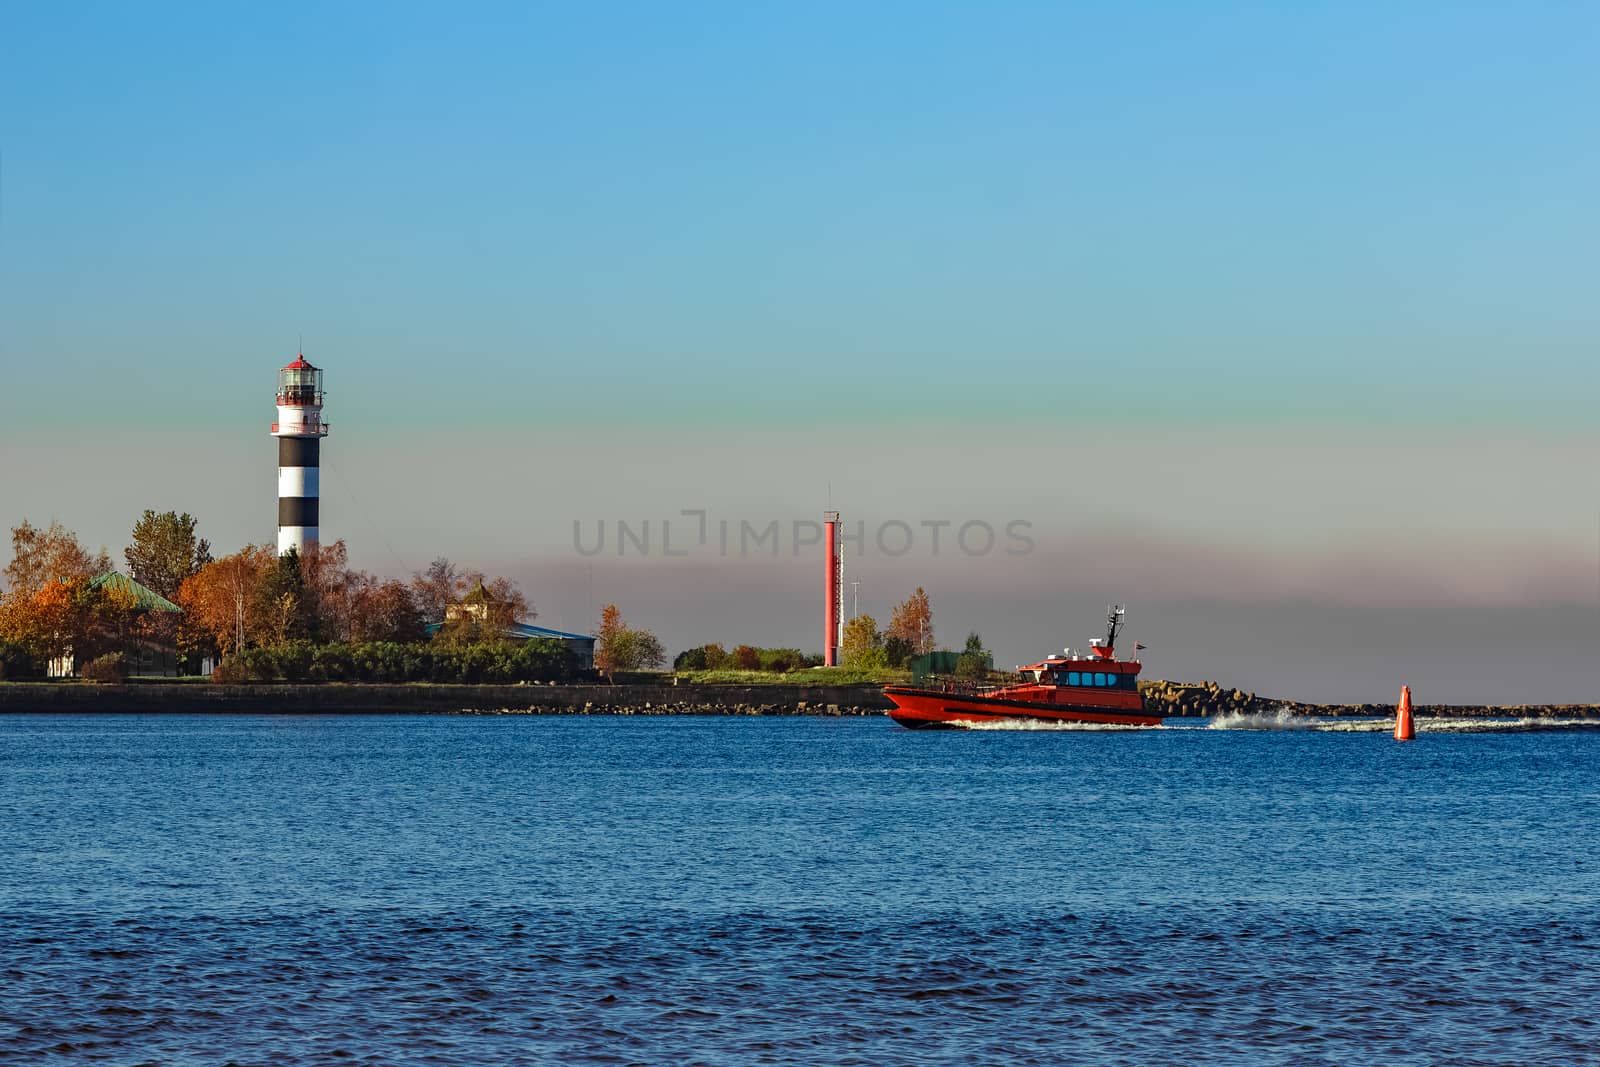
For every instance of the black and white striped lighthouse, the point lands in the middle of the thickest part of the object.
(299, 431)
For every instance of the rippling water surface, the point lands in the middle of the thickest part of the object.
(200, 890)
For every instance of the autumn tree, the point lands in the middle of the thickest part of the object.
(222, 598)
(490, 608)
(41, 556)
(437, 587)
(620, 647)
(48, 608)
(605, 638)
(52, 620)
(510, 605)
(912, 622)
(165, 551)
(384, 611)
(324, 587)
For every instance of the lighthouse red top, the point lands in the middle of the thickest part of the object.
(300, 384)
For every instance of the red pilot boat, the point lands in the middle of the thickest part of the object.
(1098, 688)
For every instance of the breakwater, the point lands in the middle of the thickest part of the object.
(1188, 699)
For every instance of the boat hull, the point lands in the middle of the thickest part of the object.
(932, 709)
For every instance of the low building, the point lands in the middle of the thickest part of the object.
(148, 652)
(580, 645)
(480, 607)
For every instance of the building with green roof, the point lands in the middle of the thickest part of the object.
(148, 653)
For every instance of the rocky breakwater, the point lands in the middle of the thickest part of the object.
(1202, 698)
(1175, 699)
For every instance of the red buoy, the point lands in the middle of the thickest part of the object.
(1405, 728)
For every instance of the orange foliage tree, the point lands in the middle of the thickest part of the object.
(912, 622)
(48, 608)
(620, 647)
(56, 619)
(221, 598)
(42, 556)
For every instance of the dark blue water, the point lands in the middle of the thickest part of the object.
(196, 890)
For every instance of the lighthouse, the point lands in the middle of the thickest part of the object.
(299, 431)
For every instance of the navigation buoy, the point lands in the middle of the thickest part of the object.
(1405, 729)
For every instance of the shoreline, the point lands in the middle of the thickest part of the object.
(140, 698)
(143, 698)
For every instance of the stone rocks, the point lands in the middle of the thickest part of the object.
(1202, 698)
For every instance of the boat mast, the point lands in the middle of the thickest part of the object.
(1114, 615)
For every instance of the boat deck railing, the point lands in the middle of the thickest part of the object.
(963, 686)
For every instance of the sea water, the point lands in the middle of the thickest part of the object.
(506, 889)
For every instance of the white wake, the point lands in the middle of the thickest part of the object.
(1037, 725)
(1276, 719)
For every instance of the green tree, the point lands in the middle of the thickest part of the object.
(165, 551)
(620, 647)
(636, 650)
(281, 599)
(897, 651)
(164, 554)
(975, 660)
(690, 659)
(862, 643)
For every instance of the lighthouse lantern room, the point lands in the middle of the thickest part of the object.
(299, 431)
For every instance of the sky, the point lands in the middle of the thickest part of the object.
(1276, 322)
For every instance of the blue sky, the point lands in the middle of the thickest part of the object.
(1312, 213)
(657, 243)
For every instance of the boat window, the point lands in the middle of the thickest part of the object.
(1072, 678)
(1099, 679)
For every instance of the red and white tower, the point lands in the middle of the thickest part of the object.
(833, 588)
(299, 431)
